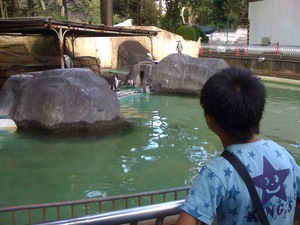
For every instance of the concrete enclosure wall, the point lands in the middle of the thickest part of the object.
(103, 48)
(275, 19)
(106, 48)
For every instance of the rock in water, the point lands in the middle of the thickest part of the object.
(180, 73)
(61, 100)
(176, 74)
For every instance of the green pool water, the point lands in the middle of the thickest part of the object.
(164, 147)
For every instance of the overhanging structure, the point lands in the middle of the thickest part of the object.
(32, 26)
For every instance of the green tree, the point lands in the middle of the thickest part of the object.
(223, 13)
(127, 9)
(205, 10)
(149, 12)
(236, 12)
(189, 11)
(92, 11)
(218, 16)
(172, 19)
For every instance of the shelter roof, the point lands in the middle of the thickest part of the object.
(207, 29)
(47, 26)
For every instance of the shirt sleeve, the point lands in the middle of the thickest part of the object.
(204, 196)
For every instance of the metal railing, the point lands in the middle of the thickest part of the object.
(157, 211)
(272, 49)
(65, 210)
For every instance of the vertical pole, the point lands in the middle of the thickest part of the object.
(138, 12)
(160, 7)
(107, 12)
(61, 48)
(227, 32)
(248, 32)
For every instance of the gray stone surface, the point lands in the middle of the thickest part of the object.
(176, 73)
(61, 100)
(130, 53)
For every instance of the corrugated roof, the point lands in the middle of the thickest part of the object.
(46, 26)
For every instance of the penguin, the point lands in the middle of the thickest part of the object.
(68, 61)
(130, 83)
(179, 47)
(116, 83)
(147, 88)
(149, 57)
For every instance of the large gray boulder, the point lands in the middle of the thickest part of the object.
(177, 73)
(130, 53)
(61, 100)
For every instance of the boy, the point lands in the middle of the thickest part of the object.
(233, 101)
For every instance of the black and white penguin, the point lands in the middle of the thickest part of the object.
(130, 83)
(179, 47)
(116, 83)
(68, 61)
(147, 88)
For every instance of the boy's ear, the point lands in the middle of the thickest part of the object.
(209, 120)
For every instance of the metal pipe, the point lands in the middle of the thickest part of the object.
(158, 211)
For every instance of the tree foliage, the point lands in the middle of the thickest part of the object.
(220, 13)
(92, 11)
(171, 20)
(127, 9)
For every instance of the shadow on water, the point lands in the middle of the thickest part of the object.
(71, 136)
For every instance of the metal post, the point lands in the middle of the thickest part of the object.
(61, 48)
(227, 32)
(60, 36)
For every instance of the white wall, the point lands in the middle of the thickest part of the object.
(277, 19)
(106, 49)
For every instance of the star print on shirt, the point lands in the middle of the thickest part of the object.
(233, 211)
(271, 182)
(227, 172)
(251, 154)
(195, 213)
(233, 193)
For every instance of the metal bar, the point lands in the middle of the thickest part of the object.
(114, 204)
(100, 207)
(44, 214)
(73, 211)
(86, 209)
(13, 214)
(159, 221)
(113, 199)
(58, 212)
(126, 203)
(78, 202)
(125, 216)
(29, 216)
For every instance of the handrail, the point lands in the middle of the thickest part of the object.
(252, 49)
(133, 215)
(46, 212)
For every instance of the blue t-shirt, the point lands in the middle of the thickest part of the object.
(218, 188)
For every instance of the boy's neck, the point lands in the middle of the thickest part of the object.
(228, 140)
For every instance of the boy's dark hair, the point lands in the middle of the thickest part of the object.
(235, 99)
